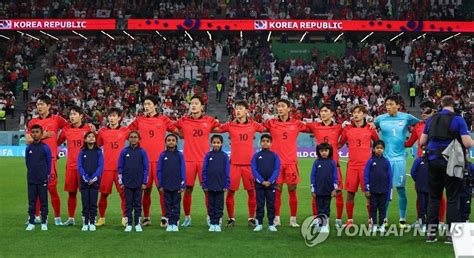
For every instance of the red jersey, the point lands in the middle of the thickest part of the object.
(52, 123)
(241, 136)
(112, 142)
(416, 133)
(196, 136)
(75, 140)
(359, 140)
(152, 132)
(284, 136)
(327, 133)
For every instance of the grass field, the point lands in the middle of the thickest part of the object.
(110, 240)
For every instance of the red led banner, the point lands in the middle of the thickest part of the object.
(57, 24)
(300, 25)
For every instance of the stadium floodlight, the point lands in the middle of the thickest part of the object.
(366, 37)
(128, 34)
(189, 35)
(49, 35)
(302, 37)
(26, 34)
(5, 37)
(241, 35)
(450, 37)
(79, 34)
(394, 38)
(209, 34)
(157, 32)
(419, 37)
(22, 33)
(337, 38)
(107, 34)
(269, 36)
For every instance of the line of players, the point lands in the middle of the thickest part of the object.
(196, 130)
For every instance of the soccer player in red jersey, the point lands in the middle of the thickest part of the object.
(284, 131)
(195, 130)
(241, 134)
(112, 140)
(428, 109)
(358, 136)
(51, 125)
(152, 128)
(328, 131)
(73, 134)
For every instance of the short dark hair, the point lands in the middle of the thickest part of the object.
(37, 126)
(266, 136)
(427, 104)
(377, 143)
(217, 136)
(393, 98)
(447, 101)
(324, 146)
(242, 103)
(152, 99)
(287, 102)
(198, 97)
(78, 109)
(328, 106)
(44, 98)
(361, 107)
(115, 110)
(171, 135)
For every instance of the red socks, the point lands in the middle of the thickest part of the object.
(339, 204)
(102, 204)
(314, 206)
(162, 203)
(71, 204)
(442, 208)
(252, 203)
(187, 200)
(349, 209)
(146, 201)
(293, 200)
(55, 201)
(277, 202)
(229, 203)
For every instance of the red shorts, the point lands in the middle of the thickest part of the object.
(107, 181)
(244, 172)
(193, 168)
(72, 180)
(289, 174)
(152, 177)
(354, 178)
(53, 177)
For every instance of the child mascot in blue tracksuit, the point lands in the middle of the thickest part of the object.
(215, 181)
(38, 165)
(90, 165)
(419, 173)
(171, 174)
(265, 169)
(133, 176)
(324, 180)
(378, 185)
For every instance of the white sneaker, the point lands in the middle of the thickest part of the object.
(423, 228)
(374, 229)
(258, 228)
(128, 228)
(30, 227)
(175, 228)
(169, 228)
(44, 227)
(217, 228)
(85, 227)
(138, 228)
(92, 227)
(57, 221)
(212, 228)
(276, 221)
(187, 222)
(325, 229)
(208, 220)
(272, 228)
(293, 223)
(338, 223)
(70, 222)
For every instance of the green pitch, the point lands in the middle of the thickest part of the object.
(110, 240)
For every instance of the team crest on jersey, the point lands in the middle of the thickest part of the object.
(166, 158)
(375, 163)
(85, 156)
(128, 155)
(204, 124)
(319, 166)
(210, 158)
(260, 157)
(400, 123)
(31, 151)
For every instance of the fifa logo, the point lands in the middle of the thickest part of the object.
(5, 24)
(260, 25)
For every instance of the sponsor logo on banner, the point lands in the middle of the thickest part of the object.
(260, 25)
(5, 24)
